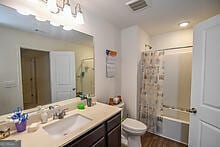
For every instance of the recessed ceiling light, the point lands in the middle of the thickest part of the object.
(184, 24)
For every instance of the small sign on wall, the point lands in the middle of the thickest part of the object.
(111, 59)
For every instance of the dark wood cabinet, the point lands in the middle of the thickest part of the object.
(107, 134)
(100, 143)
(89, 138)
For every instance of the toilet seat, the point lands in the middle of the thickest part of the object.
(133, 126)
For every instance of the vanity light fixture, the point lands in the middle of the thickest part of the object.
(63, 8)
(79, 15)
(184, 24)
(57, 12)
(67, 12)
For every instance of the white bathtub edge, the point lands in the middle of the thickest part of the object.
(169, 138)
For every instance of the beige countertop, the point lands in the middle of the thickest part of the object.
(97, 113)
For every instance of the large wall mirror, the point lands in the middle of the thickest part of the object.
(41, 63)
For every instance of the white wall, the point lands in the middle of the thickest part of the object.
(106, 36)
(132, 43)
(173, 39)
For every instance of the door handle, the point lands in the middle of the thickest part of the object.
(193, 110)
(74, 89)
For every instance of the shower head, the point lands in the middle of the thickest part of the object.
(146, 45)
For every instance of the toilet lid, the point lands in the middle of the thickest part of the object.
(133, 125)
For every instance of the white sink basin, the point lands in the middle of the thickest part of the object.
(66, 125)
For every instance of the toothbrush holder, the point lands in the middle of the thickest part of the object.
(21, 126)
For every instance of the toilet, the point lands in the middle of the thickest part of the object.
(131, 130)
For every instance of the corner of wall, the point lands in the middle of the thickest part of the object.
(133, 40)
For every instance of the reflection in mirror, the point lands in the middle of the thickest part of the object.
(40, 63)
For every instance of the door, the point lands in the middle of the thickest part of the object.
(28, 67)
(62, 75)
(205, 124)
(35, 66)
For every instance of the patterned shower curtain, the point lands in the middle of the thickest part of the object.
(151, 90)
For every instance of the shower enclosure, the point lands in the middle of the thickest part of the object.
(164, 100)
(85, 77)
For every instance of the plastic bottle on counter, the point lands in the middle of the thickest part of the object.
(44, 117)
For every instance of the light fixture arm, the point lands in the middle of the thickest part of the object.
(67, 2)
(77, 9)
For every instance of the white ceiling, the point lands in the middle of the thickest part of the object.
(163, 16)
(10, 18)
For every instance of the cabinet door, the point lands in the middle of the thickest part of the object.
(89, 138)
(100, 143)
(114, 137)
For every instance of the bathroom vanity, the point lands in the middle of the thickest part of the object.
(102, 130)
(107, 134)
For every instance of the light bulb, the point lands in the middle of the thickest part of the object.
(79, 18)
(52, 6)
(67, 11)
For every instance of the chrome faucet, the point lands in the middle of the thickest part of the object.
(60, 114)
(53, 107)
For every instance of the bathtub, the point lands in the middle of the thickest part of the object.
(175, 125)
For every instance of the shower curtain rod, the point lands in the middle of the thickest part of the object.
(87, 59)
(181, 47)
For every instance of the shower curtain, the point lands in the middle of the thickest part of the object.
(151, 89)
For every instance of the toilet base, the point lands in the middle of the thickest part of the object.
(134, 141)
(124, 140)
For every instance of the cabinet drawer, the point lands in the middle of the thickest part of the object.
(113, 122)
(90, 138)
